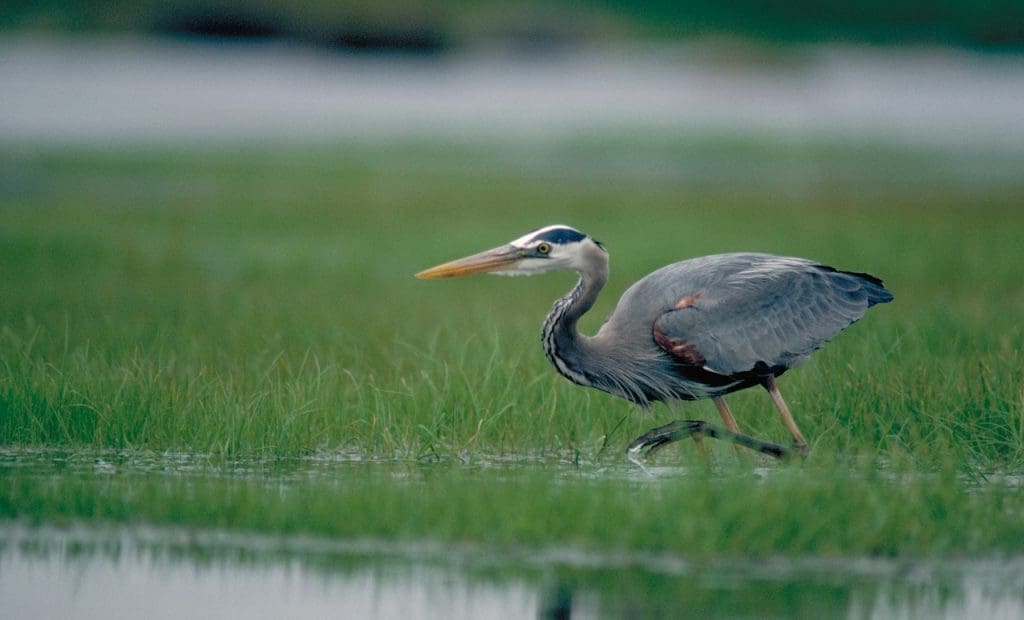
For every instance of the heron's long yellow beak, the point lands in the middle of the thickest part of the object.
(497, 259)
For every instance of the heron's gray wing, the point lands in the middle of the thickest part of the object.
(771, 315)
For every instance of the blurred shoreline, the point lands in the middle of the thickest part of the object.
(121, 90)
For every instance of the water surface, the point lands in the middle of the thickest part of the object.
(90, 572)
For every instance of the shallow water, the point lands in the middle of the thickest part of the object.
(166, 573)
(97, 569)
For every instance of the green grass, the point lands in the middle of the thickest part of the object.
(830, 512)
(257, 306)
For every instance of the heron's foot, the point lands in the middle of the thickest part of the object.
(802, 449)
(655, 439)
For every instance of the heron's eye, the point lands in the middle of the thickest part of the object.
(544, 248)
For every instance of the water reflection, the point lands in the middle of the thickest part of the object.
(90, 573)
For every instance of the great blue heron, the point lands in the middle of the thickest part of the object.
(700, 328)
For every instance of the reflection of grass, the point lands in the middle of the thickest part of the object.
(261, 304)
(604, 582)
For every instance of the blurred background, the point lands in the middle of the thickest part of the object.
(942, 74)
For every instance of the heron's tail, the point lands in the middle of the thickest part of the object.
(877, 293)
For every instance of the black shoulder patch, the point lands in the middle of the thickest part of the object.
(560, 235)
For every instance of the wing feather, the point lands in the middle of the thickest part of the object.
(772, 314)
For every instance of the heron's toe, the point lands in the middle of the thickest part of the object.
(657, 438)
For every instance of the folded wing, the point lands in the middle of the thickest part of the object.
(766, 317)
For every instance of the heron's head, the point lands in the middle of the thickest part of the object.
(544, 249)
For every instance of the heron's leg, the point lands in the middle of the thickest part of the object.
(657, 438)
(730, 421)
(698, 440)
(787, 417)
(726, 413)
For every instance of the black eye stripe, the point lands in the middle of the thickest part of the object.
(560, 235)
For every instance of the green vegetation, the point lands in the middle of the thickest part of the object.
(437, 26)
(254, 311)
(825, 511)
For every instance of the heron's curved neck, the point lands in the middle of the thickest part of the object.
(563, 343)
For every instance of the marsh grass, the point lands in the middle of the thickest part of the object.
(827, 511)
(261, 303)
(258, 305)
